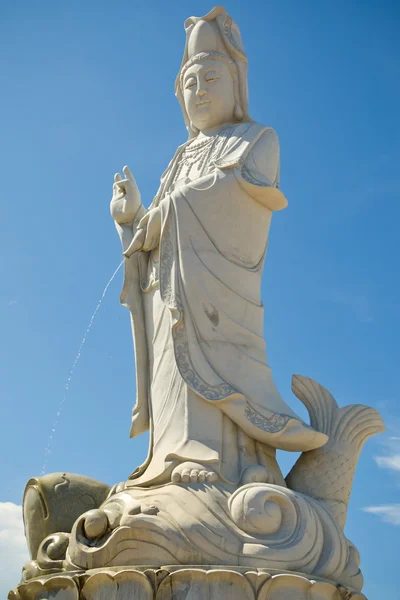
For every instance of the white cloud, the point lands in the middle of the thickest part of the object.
(13, 548)
(390, 513)
(390, 457)
(389, 462)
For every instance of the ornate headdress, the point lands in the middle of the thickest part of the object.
(215, 36)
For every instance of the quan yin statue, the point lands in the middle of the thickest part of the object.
(211, 491)
(193, 276)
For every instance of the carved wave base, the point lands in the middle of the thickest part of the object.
(258, 526)
(181, 583)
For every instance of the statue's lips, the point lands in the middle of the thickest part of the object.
(203, 104)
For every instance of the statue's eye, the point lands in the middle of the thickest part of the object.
(190, 83)
(211, 77)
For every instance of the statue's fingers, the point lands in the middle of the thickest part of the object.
(144, 220)
(150, 242)
(128, 174)
(122, 184)
(118, 189)
(136, 244)
(117, 177)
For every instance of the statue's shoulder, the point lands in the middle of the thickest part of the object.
(264, 146)
(244, 138)
(251, 131)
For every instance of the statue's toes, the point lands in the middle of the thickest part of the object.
(185, 476)
(194, 475)
(176, 476)
(202, 476)
(191, 472)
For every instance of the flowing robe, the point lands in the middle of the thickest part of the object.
(204, 387)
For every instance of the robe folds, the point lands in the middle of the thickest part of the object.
(198, 321)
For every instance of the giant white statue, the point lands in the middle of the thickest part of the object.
(193, 278)
(211, 492)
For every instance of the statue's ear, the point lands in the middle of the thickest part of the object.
(238, 112)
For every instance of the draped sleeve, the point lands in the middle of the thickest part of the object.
(258, 170)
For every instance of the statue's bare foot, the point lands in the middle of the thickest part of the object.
(190, 472)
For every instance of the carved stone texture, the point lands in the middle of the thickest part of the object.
(182, 583)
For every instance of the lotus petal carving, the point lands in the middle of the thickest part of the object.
(58, 587)
(124, 585)
(198, 583)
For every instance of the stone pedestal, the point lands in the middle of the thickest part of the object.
(181, 583)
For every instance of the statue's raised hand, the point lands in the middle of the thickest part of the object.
(126, 200)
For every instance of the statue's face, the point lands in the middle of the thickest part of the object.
(209, 94)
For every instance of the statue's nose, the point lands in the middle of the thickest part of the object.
(200, 91)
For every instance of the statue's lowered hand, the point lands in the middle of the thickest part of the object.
(152, 224)
(126, 199)
(147, 236)
(136, 244)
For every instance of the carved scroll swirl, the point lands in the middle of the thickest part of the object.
(287, 528)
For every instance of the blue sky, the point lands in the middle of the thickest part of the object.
(87, 88)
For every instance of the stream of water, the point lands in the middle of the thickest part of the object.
(48, 448)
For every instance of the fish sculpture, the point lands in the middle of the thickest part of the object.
(326, 474)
